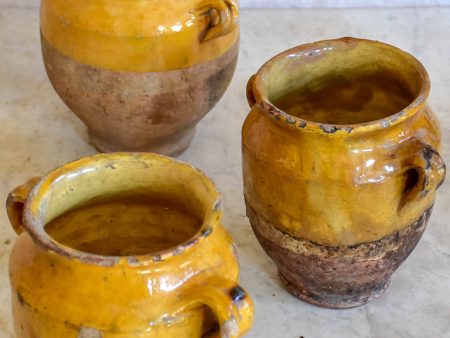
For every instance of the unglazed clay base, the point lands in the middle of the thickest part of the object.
(336, 276)
(131, 111)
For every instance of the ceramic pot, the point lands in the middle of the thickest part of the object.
(140, 74)
(61, 291)
(340, 198)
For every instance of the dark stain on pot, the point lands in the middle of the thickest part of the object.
(237, 294)
(290, 120)
(20, 299)
(329, 129)
(428, 153)
(207, 231)
(303, 124)
(69, 324)
(111, 165)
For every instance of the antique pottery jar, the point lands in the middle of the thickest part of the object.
(137, 274)
(140, 74)
(341, 166)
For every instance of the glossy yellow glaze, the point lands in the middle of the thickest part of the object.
(140, 35)
(58, 291)
(317, 176)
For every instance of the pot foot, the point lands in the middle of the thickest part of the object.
(335, 301)
(173, 146)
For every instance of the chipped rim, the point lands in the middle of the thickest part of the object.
(35, 227)
(310, 50)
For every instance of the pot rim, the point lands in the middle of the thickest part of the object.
(311, 50)
(35, 226)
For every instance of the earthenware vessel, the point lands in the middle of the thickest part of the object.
(341, 166)
(61, 291)
(140, 74)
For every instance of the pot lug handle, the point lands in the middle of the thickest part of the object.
(250, 93)
(431, 171)
(16, 201)
(230, 303)
(222, 18)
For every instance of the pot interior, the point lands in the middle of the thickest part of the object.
(126, 224)
(123, 205)
(344, 81)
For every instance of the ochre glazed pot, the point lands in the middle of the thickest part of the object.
(140, 74)
(339, 190)
(182, 291)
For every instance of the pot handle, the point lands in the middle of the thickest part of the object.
(16, 201)
(250, 93)
(429, 169)
(230, 303)
(222, 16)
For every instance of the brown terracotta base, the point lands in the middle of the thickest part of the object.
(336, 276)
(173, 145)
(329, 300)
(130, 111)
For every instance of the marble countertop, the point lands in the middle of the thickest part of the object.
(38, 133)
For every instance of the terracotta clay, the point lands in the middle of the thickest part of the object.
(339, 206)
(140, 75)
(188, 289)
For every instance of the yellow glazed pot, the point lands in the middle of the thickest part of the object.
(140, 74)
(341, 166)
(181, 291)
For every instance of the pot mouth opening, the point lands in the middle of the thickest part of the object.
(137, 208)
(346, 85)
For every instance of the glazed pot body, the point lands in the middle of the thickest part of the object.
(58, 291)
(140, 74)
(339, 207)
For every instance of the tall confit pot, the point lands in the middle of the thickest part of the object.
(340, 202)
(140, 74)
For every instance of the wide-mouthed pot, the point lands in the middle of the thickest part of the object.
(341, 166)
(140, 74)
(73, 274)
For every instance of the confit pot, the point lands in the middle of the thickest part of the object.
(140, 74)
(187, 290)
(339, 198)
